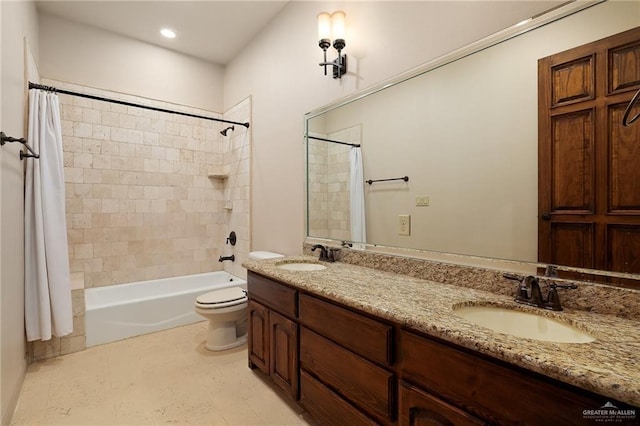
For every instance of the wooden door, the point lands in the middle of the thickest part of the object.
(283, 364)
(589, 163)
(258, 336)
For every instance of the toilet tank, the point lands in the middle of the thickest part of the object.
(260, 255)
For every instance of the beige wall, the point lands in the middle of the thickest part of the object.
(84, 55)
(18, 20)
(279, 69)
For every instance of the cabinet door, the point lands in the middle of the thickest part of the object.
(258, 336)
(418, 408)
(283, 365)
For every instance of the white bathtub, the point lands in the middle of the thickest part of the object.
(126, 310)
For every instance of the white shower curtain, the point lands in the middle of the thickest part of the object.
(356, 191)
(48, 309)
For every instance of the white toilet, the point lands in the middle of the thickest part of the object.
(226, 310)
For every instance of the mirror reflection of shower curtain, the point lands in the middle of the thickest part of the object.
(48, 309)
(356, 197)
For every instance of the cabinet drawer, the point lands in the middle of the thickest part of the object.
(274, 295)
(369, 387)
(419, 408)
(492, 391)
(327, 407)
(365, 336)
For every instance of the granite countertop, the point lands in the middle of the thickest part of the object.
(607, 366)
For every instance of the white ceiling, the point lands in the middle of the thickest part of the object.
(212, 30)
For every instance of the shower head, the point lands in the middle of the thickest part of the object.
(224, 132)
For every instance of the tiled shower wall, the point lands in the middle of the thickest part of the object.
(237, 188)
(329, 176)
(139, 199)
(318, 194)
(148, 195)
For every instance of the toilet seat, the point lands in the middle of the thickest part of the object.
(222, 298)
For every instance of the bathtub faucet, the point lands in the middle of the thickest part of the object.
(223, 258)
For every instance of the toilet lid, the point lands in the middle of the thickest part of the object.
(223, 296)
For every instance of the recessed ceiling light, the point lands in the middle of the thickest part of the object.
(168, 33)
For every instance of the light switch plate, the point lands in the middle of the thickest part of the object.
(422, 201)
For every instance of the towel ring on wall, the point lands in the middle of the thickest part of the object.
(625, 118)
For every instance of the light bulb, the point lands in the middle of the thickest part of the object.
(337, 24)
(168, 33)
(324, 26)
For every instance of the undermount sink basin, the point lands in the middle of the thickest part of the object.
(522, 324)
(302, 266)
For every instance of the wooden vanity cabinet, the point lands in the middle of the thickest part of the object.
(351, 368)
(272, 332)
(479, 387)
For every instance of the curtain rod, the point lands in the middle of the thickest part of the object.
(332, 141)
(131, 104)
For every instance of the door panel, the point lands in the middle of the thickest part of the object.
(624, 164)
(624, 245)
(573, 81)
(572, 158)
(624, 63)
(572, 244)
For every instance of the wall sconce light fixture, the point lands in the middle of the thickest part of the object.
(331, 26)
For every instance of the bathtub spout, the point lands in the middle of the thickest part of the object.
(231, 258)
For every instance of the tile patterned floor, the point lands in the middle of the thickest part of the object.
(161, 378)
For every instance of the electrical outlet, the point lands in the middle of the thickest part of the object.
(422, 201)
(404, 224)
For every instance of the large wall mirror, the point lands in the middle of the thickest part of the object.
(451, 150)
